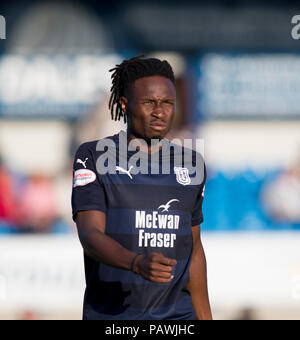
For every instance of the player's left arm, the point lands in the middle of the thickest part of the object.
(197, 285)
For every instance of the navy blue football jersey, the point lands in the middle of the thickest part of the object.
(146, 211)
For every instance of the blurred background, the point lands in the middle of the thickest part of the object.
(237, 66)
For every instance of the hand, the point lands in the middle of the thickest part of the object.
(155, 267)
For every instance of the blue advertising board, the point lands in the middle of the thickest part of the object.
(261, 85)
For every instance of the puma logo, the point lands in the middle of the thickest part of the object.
(125, 171)
(82, 162)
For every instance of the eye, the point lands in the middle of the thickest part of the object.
(148, 102)
(169, 102)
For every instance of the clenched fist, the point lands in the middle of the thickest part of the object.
(154, 267)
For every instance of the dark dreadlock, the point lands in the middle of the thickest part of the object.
(130, 70)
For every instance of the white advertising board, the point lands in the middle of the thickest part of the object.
(245, 269)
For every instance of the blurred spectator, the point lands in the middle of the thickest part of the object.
(29, 315)
(246, 314)
(281, 197)
(63, 183)
(38, 205)
(8, 203)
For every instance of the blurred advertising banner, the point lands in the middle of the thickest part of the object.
(57, 86)
(254, 269)
(240, 85)
(41, 272)
(46, 272)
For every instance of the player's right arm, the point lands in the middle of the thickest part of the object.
(97, 245)
(102, 248)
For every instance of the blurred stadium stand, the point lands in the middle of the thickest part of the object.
(237, 70)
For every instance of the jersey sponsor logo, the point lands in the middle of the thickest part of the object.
(155, 220)
(127, 172)
(156, 240)
(158, 221)
(166, 206)
(182, 175)
(83, 177)
(82, 162)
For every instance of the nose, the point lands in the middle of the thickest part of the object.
(158, 110)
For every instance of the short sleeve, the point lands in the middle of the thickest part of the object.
(88, 190)
(197, 213)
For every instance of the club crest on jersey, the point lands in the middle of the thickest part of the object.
(182, 175)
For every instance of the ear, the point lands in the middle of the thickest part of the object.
(123, 102)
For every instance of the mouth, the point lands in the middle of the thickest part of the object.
(158, 126)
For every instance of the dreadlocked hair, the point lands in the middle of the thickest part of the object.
(127, 72)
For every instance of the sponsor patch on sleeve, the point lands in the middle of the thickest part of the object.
(83, 177)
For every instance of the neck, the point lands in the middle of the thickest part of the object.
(151, 145)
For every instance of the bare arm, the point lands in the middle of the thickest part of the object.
(197, 285)
(102, 248)
(97, 245)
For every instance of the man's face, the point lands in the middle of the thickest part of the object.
(150, 106)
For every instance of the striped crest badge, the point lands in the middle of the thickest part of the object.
(182, 175)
